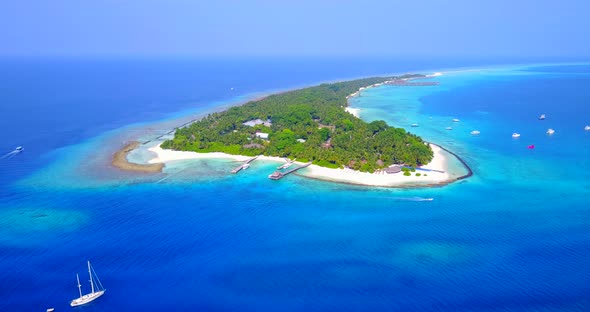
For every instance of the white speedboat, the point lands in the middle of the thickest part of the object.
(96, 289)
(542, 117)
(245, 166)
(19, 149)
(456, 120)
(414, 125)
(516, 135)
(449, 128)
(550, 131)
(286, 165)
(475, 132)
(587, 128)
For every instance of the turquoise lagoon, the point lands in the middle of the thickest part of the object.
(514, 237)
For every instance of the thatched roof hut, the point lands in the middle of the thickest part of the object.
(393, 169)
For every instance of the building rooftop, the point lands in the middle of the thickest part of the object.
(255, 122)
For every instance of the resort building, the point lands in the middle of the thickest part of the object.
(392, 169)
(256, 122)
(262, 135)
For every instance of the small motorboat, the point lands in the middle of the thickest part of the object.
(542, 117)
(286, 165)
(532, 146)
(587, 128)
(50, 309)
(455, 120)
(449, 128)
(550, 131)
(516, 135)
(475, 132)
(245, 166)
(414, 125)
(19, 149)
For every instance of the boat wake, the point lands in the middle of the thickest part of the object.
(416, 199)
(10, 154)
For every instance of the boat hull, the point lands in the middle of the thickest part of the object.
(87, 298)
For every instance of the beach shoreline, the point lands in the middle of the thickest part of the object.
(120, 160)
(440, 175)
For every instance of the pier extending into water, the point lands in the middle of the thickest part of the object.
(245, 165)
(277, 175)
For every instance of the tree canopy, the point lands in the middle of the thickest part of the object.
(309, 124)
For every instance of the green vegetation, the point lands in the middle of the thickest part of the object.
(418, 174)
(333, 137)
(407, 173)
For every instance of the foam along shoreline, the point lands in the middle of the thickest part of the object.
(120, 161)
(439, 162)
(353, 111)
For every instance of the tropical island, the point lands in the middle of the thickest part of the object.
(314, 127)
(309, 124)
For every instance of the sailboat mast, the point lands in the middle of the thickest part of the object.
(79, 286)
(90, 274)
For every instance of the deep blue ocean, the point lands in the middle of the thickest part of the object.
(514, 237)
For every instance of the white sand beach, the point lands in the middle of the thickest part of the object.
(166, 155)
(439, 162)
(354, 111)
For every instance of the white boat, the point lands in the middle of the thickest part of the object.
(245, 166)
(587, 128)
(286, 165)
(19, 149)
(550, 131)
(475, 132)
(449, 128)
(542, 117)
(414, 125)
(96, 289)
(50, 309)
(455, 120)
(516, 135)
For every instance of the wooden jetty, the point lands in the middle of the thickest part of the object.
(277, 175)
(245, 165)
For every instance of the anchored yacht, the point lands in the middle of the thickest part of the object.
(96, 289)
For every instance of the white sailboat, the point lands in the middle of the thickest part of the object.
(96, 289)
